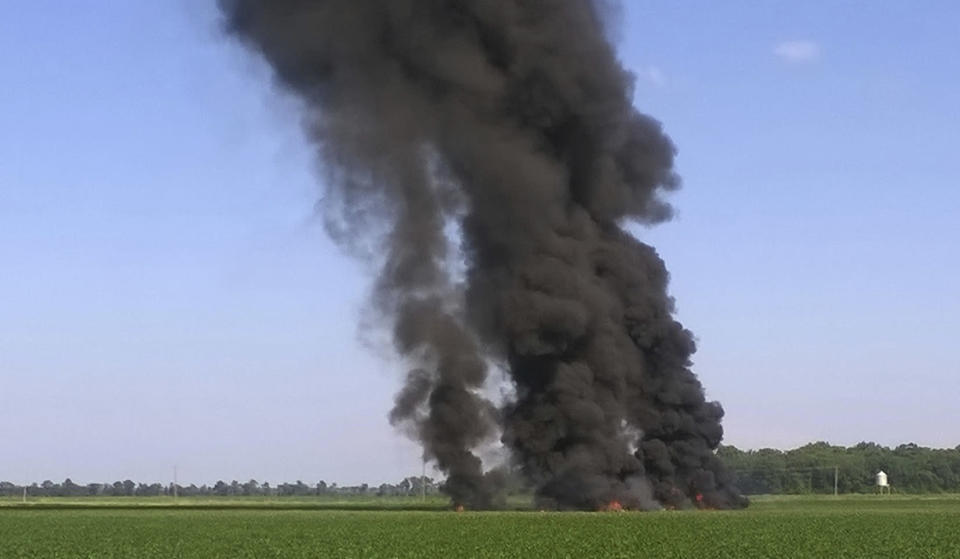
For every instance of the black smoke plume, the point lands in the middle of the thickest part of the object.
(485, 154)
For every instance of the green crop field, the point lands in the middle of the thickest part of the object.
(864, 526)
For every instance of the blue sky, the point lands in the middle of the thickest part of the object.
(167, 295)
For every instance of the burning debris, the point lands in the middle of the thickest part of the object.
(492, 149)
(612, 506)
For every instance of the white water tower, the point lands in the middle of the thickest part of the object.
(882, 482)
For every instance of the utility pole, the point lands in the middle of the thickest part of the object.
(836, 475)
(174, 482)
(24, 494)
(423, 482)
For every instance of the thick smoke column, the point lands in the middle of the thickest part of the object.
(506, 126)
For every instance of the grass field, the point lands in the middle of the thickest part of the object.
(856, 526)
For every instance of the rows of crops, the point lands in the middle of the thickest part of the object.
(800, 528)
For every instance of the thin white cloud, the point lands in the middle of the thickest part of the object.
(798, 51)
(653, 75)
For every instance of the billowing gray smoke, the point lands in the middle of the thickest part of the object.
(486, 155)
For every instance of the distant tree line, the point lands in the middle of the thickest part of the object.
(409, 486)
(805, 470)
(811, 468)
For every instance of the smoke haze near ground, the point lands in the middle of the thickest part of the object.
(485, 156)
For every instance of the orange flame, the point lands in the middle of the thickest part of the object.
(613, 506)
(701, 504)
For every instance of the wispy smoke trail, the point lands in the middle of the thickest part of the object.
(510, 122)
